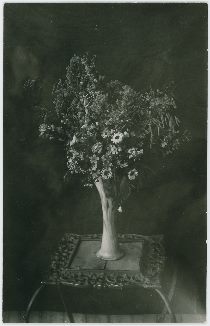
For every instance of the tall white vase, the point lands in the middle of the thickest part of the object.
(110, 249)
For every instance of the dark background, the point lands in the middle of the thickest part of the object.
(141, 45)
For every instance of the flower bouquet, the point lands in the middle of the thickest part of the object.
(109, 130)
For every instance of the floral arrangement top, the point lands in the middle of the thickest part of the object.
(108, 128)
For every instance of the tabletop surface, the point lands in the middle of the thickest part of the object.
(75, 262)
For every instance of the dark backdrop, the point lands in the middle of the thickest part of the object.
(139, 44)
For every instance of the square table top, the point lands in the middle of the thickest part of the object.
(75, 262)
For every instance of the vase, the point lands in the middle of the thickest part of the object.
(110, 249)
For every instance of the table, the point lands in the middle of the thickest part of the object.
(75, 267)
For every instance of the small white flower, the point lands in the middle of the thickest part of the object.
(42, 128)
(76, 154)
(97, 148)
(84, 126)
(117, 137)
(134, 152)
(72, 165)
(94, 166)
(120, 209)
(73, 141)
(105, 133)
(106, 173)
(126, 134)
(92, 126)
(123, 165)
(164, 144)
(52, 127)
(88, 185)
(132, 174)
(94, 159)
(114, 149)
(106, 162)
(104, 158)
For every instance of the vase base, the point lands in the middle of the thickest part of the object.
(105, 256)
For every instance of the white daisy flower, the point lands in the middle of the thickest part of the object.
(132, 174)
(106, 173)
(94, 158)
(117, 137)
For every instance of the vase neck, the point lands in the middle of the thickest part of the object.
(105, 187)
(107, 201)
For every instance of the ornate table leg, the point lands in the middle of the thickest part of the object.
(69, 314)
(170, 292)
(167, 304)
(31, 302)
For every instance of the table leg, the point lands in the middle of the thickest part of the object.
(31, 302)
(69, 314)
(167, 304)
